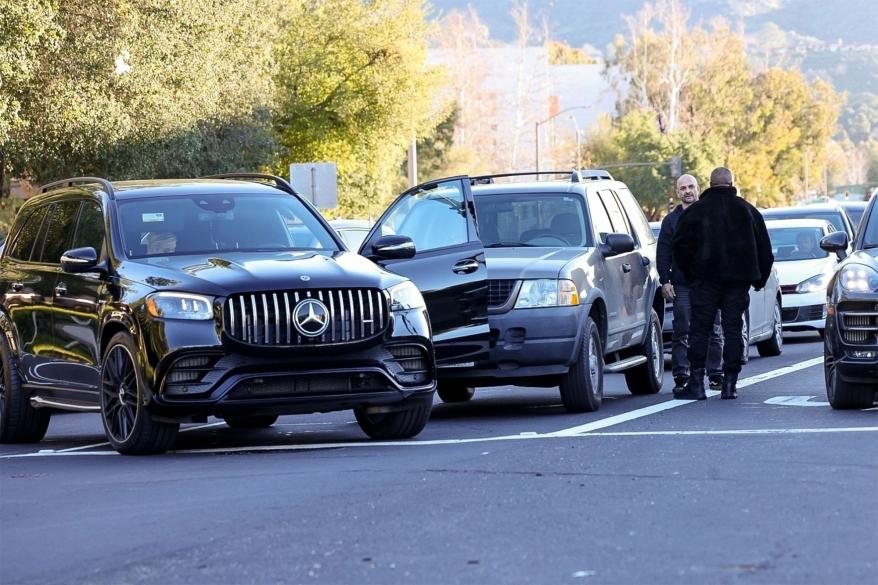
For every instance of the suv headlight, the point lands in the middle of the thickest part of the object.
(813, 284)
(546, 292)
(858, 278)
(173, 305)
(405, 296)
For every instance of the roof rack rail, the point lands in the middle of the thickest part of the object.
(581, 175)
(487, 179)
(276, 182)
(105, 184)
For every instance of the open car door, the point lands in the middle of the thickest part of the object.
(448, 266)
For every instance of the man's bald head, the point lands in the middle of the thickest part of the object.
(687, 190)
(721, 177)
(687, 180)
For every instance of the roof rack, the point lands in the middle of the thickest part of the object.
(105, 184)
(276, 182)
(590, 175)
(576, 176)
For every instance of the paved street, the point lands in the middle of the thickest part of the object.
(775, 487)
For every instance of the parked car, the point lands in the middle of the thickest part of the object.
(831, 212)
(850, 354)
(156, 302)
(351, 231)
(656, 228)
(804, 270)
(532, 283)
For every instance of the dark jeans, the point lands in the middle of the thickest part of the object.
(731, 300)
(680, 338)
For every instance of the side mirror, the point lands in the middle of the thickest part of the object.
(618, 244)
(80, 260)
(836, 242)
(393, 247)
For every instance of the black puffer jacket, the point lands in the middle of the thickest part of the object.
(722, 238)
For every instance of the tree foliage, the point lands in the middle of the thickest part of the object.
(355, 90)
(152, 88)
(692, 91)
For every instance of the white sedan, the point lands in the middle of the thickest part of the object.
(803, 269)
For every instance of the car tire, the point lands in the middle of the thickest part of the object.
(773, 346)
(19, 421)
(251, 422)
(451, 392)
(745, 336)
(401, 424)
(647, 377)
(582, 387)
(128, 424)
(821, 332)
(844, 395)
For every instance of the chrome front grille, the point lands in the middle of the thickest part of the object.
(860, 327)
(499, 291)
(266, 318)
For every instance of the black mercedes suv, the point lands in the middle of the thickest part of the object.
(156, 302)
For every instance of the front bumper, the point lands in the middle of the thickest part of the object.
(852, 338)
(527, 344)
(802, 312)
(199, 371)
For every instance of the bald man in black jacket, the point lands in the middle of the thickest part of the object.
(721, 244)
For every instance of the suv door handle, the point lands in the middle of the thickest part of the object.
(465, 267)
(61, 290)
(16, 286)
(626, 268)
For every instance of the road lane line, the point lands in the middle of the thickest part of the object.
(105, 444)
(642, 412)
(577, 431)
(734, 432)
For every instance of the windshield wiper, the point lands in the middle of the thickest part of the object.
(509, 245)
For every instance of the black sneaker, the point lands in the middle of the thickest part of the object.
(680, 383)
(715, 382)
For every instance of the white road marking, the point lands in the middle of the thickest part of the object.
(585, 430)
(795, 401)
(736, 432)
(105, 444)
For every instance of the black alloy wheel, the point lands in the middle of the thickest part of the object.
(399, 424)
(844, 395)
(129, 426)
(19, 421)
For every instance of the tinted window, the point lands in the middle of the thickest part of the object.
(201, 224)
(620, 225)
(796, 243)
(833, 217)
(532, 219)
(599, 217)
(62, 220)
(90, 228)
(433, 218)
(635, 216)
(24, 241)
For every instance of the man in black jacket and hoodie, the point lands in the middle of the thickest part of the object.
(721, 244)
(675, 288)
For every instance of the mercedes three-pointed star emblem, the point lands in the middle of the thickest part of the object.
(311, 318)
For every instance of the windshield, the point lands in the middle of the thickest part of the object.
(531, 219)
(199, 224)
(870, 229)
(833, 217)
(796, 243)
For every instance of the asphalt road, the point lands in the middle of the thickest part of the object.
(774, 487)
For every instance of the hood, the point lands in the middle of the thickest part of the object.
(521, 263)
(232, 272)
(795, 271)
(868, 257)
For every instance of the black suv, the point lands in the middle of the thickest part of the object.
(156, 302)
(851, 339)
(539, 283)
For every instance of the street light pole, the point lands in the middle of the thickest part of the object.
(549, 119)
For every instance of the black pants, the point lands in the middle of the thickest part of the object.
(680, 339)
(732, 299)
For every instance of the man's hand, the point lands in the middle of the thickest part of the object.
(668, 291)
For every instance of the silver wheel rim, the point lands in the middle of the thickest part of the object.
(778, 325)
(593, 372)
(656, 353)
(745, 334)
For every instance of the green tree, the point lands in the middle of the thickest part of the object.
(355, 89)
(28, 31)
(154, 88)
